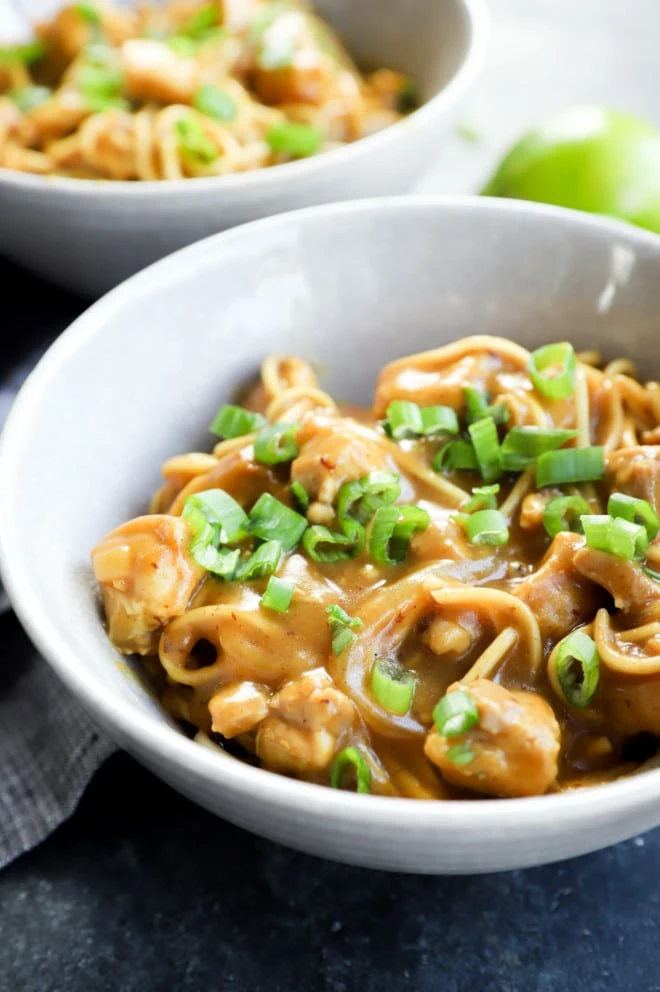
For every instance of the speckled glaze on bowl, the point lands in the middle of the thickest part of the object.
(350, 287)
(88, 235)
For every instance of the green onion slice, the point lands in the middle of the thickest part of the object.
(458, 455)
(360, 498)
(460, 754)
(392, 686)
(565, 513)
(235, 421)
(28, 97)
(271, 520)
(558, 468)
(296, 140)
(552, 370)
(262, 562)
(406, 419)
(89, 12)
(391, 530)
(350, 757)
(299, 494)
(651, 574)
(455, 714)
(324, 545)
(438, 420)
(278, 594)
(194, 141)
(478, 407)
(221, 562)
(523, 444)
(215, 102)
(101, 87)
(27, 54)
(183, 46)
(615, 535)
(487, 448)
(483, 498)
(487, 527)
(341, 627)
(578, 668)
(636, 511)
(276, 444)
(200, 22)
(219, 510)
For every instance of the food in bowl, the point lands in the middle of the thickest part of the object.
(185, 89)
(451, 594)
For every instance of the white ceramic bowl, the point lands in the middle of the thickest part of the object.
(87, 236)
(351, 287)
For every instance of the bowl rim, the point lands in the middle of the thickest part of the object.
(288, 173)
(146, 732)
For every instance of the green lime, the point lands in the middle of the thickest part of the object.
(589, 158)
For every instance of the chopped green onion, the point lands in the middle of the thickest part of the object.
(276, 444)
(99, 54)
(558, 468)
(438, 420)
(215, 102)
(89, 12)
(220, 510)
(27, 54)
(262, 562)
(523, 444)
(272, 520)
(296, 140)
(408, 98)
(278, 594)
(28, 97)
(324, 545)
(483, 498)
(221, 562)
(361, 498)
(637, 511)
(578, 668)
(651, 574)
(459, 455)
(182, 46)
(194, 142)
(200, 22)
(341, 625)
(487, 527)
(479, 407)
(460, 754)
(392, 686)
(235, 421)
(615, 535)
(101, 87)
(351, 757)
(558, 384)
(406, 419)
(455, 714)
(299, 494)
(564, 513)
(391, 530)
(487, 448)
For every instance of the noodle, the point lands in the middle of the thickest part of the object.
(185, 89)
(442, 653)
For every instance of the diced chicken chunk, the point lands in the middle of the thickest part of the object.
(237, 14)
(70, 31)
(147, 576)
(332, 452)
(636, 472)
(307, 722)
(632, 590)
(557, 593)
(153, 72)
(632, 705)
(289, 66)
(238, 708)
(512, 751)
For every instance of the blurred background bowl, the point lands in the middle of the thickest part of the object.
(138, 377)
(88, 235)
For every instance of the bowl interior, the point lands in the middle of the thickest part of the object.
(348, 287)
(427, 39)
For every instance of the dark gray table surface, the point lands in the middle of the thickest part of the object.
(143, 891)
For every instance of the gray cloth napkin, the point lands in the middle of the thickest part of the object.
(49, 747)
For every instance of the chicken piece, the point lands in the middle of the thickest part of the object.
(70, 31)
(289, 65)
(427, 386)
(450, 638)
(235, 15)
(636, 472)
(633, 591)
(147, 576)
(153, 72)
(307, 724)
(238, 708)
(532, 509)
(631, 705)
(512, 751)
(333, 451)
(557, 593)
